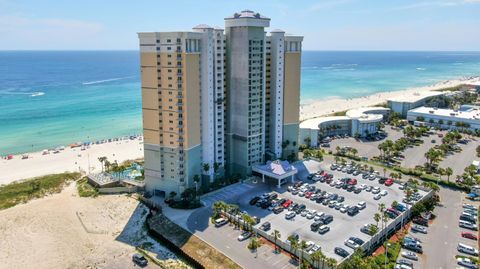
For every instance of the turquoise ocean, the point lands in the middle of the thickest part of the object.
(53, 98)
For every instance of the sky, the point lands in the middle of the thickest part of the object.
(445, 25)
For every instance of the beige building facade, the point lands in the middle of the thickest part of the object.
(217, 101)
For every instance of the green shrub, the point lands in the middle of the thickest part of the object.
(85, 189)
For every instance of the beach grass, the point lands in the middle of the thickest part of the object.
(85, 189)
(24, 191)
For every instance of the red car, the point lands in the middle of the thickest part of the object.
(389, 182)
(352, 182)
(469, 235)
(308, 194)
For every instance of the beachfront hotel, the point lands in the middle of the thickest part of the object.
(222, 99)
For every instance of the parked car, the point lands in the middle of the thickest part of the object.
(352, 211)
(410, 255)
(351, 244)
(361, 205)
(375, 190)
(377, 197)
(314, 226)
(467, 249)
(389, 182)
(414, 247)
(220, 222)
(266, 226)
(323, 229)
(405, 262)
(469, 235)
(467, 225)
(254, 200)
(466, 262)
(383, 193)
(326, 219)
(139, 260)
(278, 209)
(420, 221)
(341, 252)
(366, 229)
(290, 215)
(244, 236)
(420, 229)
(357, 240)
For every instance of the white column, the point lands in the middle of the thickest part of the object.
(263, 178)
(292, 179)
(279, 180)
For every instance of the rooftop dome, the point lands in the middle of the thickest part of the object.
(247, 14)
(202, 26)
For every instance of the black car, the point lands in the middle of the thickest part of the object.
(266, 226)
(310, 176)
(341, 252)
(350, 188)
(340, 199)
(382, 180)
(414, 247)
(300, 208)
(357, 190)
(281, 201)
(140, 260)
(314, 226)
(326, 219)
(272, 196)
(334, 196)
(254, 200)
(420, 221)
(357, 240)
(352, 211)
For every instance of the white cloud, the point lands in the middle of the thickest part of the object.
(23, 33)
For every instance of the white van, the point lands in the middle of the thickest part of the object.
(220, 222)
(467, 249)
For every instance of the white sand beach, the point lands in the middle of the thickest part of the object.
(66, 231)
(74, 159)
(325, 107)
(70, 159)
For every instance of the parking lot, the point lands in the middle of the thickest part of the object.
(444, 234)
(342, 227)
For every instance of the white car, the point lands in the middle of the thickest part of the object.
(375, 190)
(344, 209)
(290, 215)
(377, 197)
(361, 205)
(362, 186)
(309, 216)
(244, 235)
(466, 262)
(410, 255)
(323, 229)
(304, 213)
(467, 249)
(318, 216)
(402, 266)
(314, 249)
(301, 194)
(420, 229)
(351, 244)
(383, 193)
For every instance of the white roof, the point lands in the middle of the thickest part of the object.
(472, 114)
(315, 122)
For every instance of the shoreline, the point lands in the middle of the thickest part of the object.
(79, 158)
(69, 160)
(329, 106)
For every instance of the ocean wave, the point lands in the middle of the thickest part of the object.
(37, 94)
(103, 81)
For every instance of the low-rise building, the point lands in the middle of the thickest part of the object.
(402, 104)
(356, 122)
(467, 117)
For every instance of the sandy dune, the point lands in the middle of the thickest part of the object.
(67, 231)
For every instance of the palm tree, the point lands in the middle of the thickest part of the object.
(354, 151)
(448, 172)
(293, 242)
(337, 159)
(102, 160)
(318, 256)
(196, 179)
(254, 245)
(303, 246)
(377, 218)
(206, 168)
(384, 171)
(276, 234)
(331, 263)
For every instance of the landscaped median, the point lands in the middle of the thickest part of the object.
(195, 250)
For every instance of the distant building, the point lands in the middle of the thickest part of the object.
(215, 98)
(406, 102)
(467, 117)
(361, 121)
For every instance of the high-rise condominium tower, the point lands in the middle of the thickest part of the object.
(217, 102)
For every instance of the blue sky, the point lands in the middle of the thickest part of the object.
(326, 24)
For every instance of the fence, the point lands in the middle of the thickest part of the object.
(115, 190)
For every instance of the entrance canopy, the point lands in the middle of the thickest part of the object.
(276, 169)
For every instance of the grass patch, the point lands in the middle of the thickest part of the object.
(85, 189)
(24, 191)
